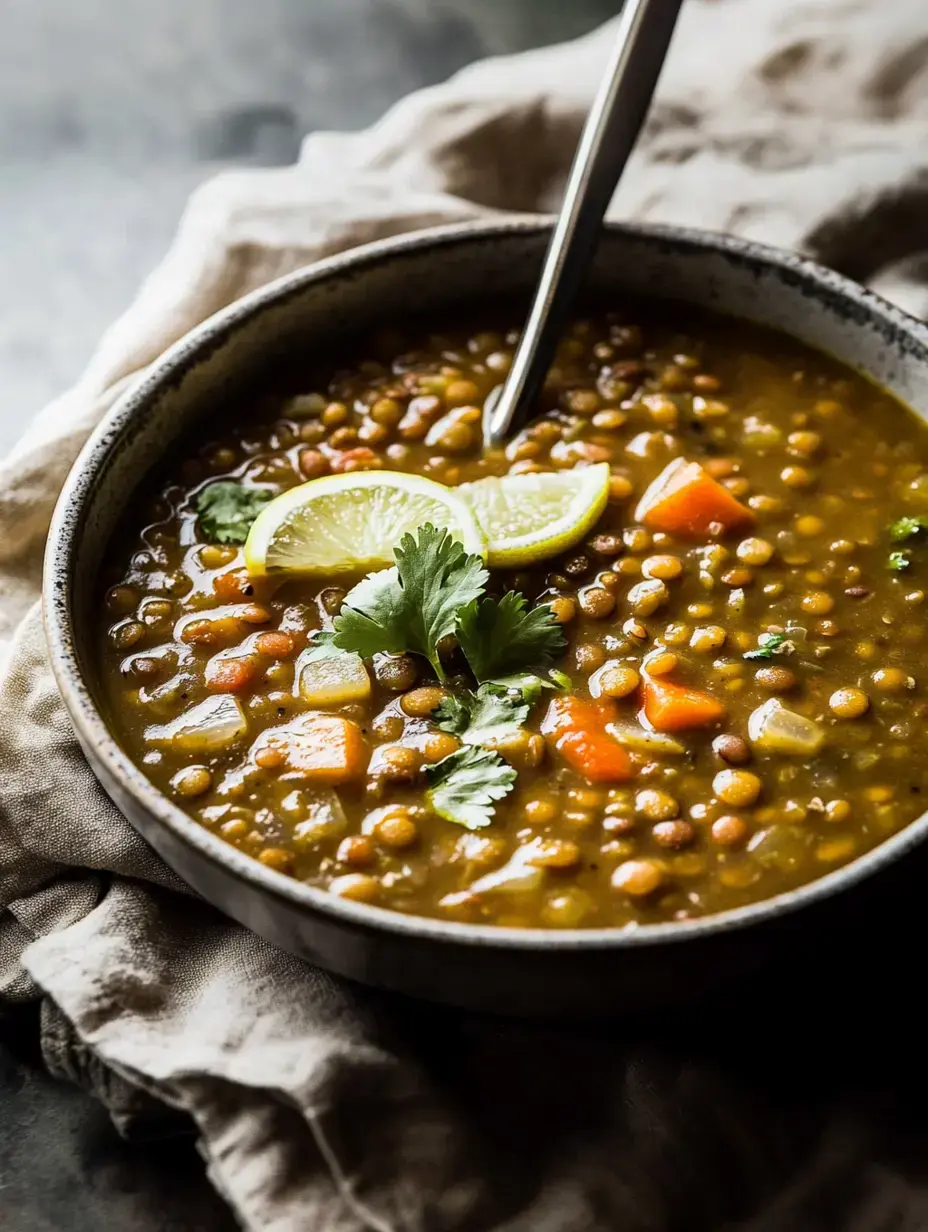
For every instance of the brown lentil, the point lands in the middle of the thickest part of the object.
(638, 878)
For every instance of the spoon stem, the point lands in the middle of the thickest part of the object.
(609, 135)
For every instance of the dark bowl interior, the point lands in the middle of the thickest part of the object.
(317, 311)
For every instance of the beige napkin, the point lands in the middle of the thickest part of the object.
(320, 1106)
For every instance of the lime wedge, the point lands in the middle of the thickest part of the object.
(527, 518)
(351, 523)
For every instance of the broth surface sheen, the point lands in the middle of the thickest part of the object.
(819, 754)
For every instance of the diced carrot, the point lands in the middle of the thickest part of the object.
(685, 500)
(577, 729)
(274, 644)
(360, 459)
(323, 748)
(673, 707)
(234, 586)
(230, 675)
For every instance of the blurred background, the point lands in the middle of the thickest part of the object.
(111, 111)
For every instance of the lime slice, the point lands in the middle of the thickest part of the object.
(351, 523)
(528, 518)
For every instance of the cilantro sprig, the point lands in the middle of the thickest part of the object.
(464, 787)
(227, 509)
(904, 530)
(773, 644)
(500, 636)
(482, 717)
(414, 605)
(907, 528)
(437, 589)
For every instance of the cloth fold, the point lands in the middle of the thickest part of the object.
(321, 1105)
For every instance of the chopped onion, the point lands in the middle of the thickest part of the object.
(760, 436)
(515, 877)
(775, 729)
(332, 682)
(780, 847)
(325, 817)
(638, 739)
(210, 725)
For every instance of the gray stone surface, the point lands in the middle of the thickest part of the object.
(111, 111)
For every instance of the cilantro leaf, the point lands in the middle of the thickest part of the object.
(372, 617)
(322, 646)
(226, 510)
(773, 644)
(532, 684)
(899, 561)
(499, 637)
(414, 605)
(464, 787)
(489, 714)
(906, 528)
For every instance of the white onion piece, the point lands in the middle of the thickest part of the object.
(638, 739)
(325, 816)
(515, 877)
(210, 725)
(332, 682)
(775, 729)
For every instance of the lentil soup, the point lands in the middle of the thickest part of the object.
(731, 700)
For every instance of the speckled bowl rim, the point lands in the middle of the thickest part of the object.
(824, 285)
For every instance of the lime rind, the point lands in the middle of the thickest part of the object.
(351, 523)
(532, 517)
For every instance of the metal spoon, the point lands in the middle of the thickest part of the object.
(607, 140)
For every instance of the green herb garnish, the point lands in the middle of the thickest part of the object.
(907, 528)
(437, 589)
(479, 718)
(773, 644)
(465, 786)
(416, 604)
(531, 685)
(322, 646)
(500, 636)
(899, 561)
(226, 510)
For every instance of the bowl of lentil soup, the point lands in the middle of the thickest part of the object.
(634, 760)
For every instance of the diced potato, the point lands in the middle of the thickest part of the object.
(638, 739)
(332, 682)
(204, 728)
(775, 729)
(784, 848)
(320, 749)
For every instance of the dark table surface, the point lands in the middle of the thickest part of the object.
(111, 111)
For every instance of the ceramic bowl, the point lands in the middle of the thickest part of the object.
(440, 272)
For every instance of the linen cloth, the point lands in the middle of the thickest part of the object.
(323, 1106)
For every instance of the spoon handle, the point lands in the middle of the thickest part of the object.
(607, 140)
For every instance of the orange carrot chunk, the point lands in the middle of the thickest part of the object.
(673, 707)
(230, 675)
(233, 587)
(323, 749)
(685, 500)
(577, 730)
